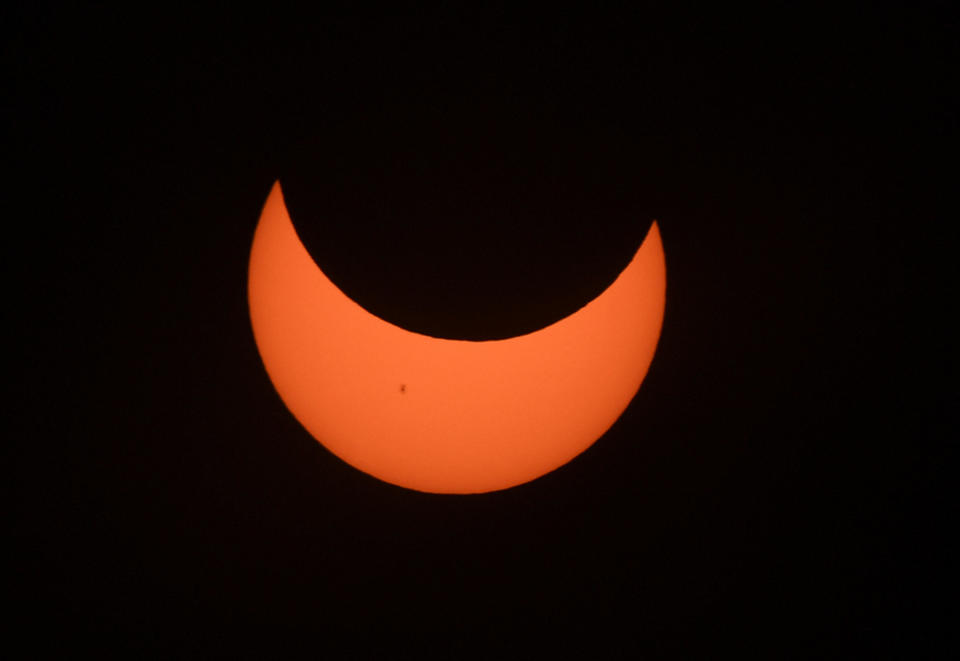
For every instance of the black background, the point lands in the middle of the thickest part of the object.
(780, 482)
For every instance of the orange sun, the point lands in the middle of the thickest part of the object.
(439, 415)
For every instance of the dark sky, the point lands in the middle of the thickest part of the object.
(780, 481)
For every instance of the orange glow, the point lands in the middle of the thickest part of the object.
(438, 415)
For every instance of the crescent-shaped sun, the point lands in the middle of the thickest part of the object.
(441, 415)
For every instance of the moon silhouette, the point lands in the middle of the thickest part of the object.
(441, 415)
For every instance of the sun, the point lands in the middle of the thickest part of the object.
(441, 415)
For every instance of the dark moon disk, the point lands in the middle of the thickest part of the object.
(470, 221)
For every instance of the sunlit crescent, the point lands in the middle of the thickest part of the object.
(442, 415)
